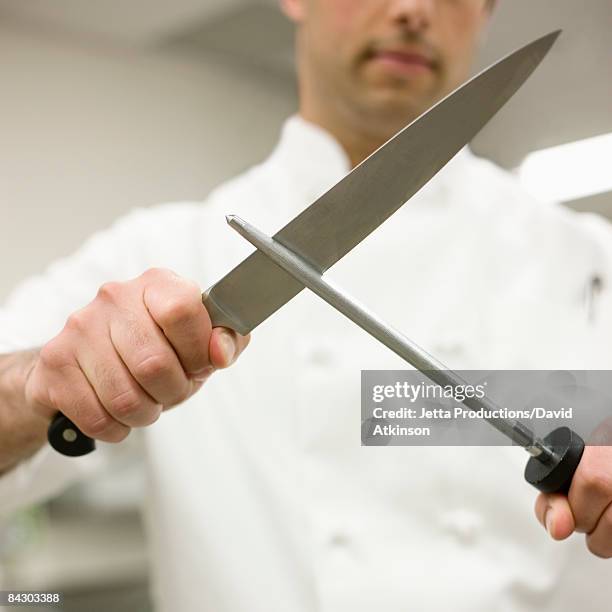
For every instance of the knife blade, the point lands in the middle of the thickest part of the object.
(353, 208)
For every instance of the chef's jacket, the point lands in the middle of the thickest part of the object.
(260, 496)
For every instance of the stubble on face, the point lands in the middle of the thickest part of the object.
(363, 71)
(394, 78)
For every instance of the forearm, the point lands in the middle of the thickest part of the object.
(22, 431)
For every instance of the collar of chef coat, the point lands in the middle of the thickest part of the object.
(315, 161)
(311, 157)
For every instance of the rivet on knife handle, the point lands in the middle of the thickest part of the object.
(66, 438)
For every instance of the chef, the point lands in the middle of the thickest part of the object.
(261, 497)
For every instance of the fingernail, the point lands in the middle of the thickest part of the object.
(548, 520)
(228, 347)
(203, 375)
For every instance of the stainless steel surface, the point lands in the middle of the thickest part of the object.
(308, 276)
(329, 228)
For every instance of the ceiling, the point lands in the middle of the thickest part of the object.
(567, 99)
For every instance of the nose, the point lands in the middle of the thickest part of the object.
(412, 15)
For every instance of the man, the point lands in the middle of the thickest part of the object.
(261, 497)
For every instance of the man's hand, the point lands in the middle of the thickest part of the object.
(588, 506)
(138, 348)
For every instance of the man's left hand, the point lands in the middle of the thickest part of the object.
(588, 506)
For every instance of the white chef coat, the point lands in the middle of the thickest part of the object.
(261, 498)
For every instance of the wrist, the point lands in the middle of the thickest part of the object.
(22, 431)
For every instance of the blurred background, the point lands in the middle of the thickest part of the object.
(113, 104)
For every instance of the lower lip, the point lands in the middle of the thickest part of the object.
(402, 64)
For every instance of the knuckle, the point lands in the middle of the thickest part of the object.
(179, 310)
(110, 292)
(78, 321)
(156, 274)
(125, 405)
(54, 354)
(153, 367)
(596, 479)
(192, 290)
(99, 426)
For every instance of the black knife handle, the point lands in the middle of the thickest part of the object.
(556, 478)
(66, 438)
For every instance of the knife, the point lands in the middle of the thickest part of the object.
(340, 219)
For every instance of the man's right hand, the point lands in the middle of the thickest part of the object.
(140, 347)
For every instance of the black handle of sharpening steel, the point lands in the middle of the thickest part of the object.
(556, 478)
(66, 438)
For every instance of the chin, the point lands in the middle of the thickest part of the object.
(399, 110)
(384, 116)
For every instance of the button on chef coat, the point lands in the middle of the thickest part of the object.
(260, 496)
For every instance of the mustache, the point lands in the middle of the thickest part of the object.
(412, 42)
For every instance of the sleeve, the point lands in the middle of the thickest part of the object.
(34, 313)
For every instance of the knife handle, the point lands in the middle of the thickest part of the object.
(66, 438)
(556, 478)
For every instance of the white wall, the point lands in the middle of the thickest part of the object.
(88, 131)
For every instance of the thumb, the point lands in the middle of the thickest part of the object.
(225, 345)
(554, 513)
